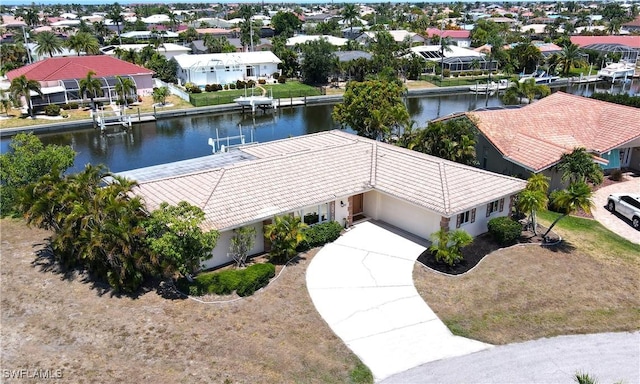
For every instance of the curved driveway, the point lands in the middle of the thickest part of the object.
(610, 220)
(362, 285)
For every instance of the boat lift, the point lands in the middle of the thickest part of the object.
(103, 120)
(223, 144)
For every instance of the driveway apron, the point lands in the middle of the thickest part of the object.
(362, 285)
(610, 220)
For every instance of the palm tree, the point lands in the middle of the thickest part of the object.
(534, 198)
(92, 87)
(5, 102)
(100, 29)
(173, 20)
(285, 234)
(48, 43)
(22, 87)
(84, 42)
(570, 56)
(578, 166)
(525, 89)
(350, 14)
(578, 195)
(190, 35)
(115, 15)
(160, 95)
(445, 42)
(125, 86)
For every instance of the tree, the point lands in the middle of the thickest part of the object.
(534, 198)
(25, 162)
(48, 43)
(525, 89)
(285, 234)
(218, 44)
(445, 42)
(374, 109)
(241, 243)
(115, 15)
(570, 55)
(175, 236)
(447, 245)
(92, 87)
(577, 195)
(124, 87)
(578, 166)
(285, 23)
(317, 61)
(160, 95)
(189, 35)
(525, 57)
(22, 87)
(452, 140)
(349, 15)
(384, 50)
(84, 42)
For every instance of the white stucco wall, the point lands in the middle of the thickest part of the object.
(219, 254)
(406, 216)
(342, 210)
(479, 226)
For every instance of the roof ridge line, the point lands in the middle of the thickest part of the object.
(206, 202)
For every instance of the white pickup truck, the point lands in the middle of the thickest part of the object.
(626, 204)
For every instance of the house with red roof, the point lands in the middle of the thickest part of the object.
(628, 47)
(461, 38)
(532, 139)
(59, 77)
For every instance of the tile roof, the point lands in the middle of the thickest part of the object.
(535, 136)
(76, 67)
(631, 41)
(454, 34)
(295, 173)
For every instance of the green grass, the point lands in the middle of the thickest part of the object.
(361, 374)
(592, 235)
(280, 91)
(464, 80)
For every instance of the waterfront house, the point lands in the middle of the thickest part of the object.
(168, 50)
(326, 176)
(226, 68)
(533, 138)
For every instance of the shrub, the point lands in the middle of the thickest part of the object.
(275, 75)
(241, 84)
(447, 245)
(282, 79)
(244, 281)
(226, 87)
(251, 83)
(130, 100)
(195, 89)
(320, 234)
(456, 74)
(262, 81)
(70, 106)
(446, 72)
(210, 87)
(504, 230)
(232, 86)
(254, 278)
(552, 206)
(616, 175)
(52, 110)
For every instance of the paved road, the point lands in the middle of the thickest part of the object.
(362, 285)
(609, 357)
(610, 220)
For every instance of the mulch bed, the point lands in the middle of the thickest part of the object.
(482, 246)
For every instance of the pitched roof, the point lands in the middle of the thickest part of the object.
(631, 41)
(454, 34)
(295, 173)
(76, 67)
(536, 136)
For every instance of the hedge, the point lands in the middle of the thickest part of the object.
(505, 230)
(244, 281)
(320, 234)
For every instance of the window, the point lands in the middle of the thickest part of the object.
(466, 217)
(315, 215)
(495, 206)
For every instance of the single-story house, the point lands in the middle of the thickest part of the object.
(456, 59)
(328, 176)
(461, 37)
(532, 139)
(148, 35)
(59, 77)
(399, 36)
(302, 39)
(168, 50)
(226, 68)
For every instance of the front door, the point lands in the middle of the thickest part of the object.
(358, 204)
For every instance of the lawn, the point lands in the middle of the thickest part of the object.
(588, 285)
(173, 102)
(48, 322)
(279, 91)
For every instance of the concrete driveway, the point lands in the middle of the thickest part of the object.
(616, 223)
(362, 285)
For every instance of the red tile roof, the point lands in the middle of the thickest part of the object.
(76, 67)
(454, 34)
(535, 136)
(630, 41)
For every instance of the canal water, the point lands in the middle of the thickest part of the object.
(184, 138)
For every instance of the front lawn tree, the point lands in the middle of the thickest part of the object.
(317, 61)
(577, 196)
(242, 241)
(21, 87)
(578, 166)
(534, 198)
(174, 235)
(90, 86)
(447, 245)
(374, 109)
(285, 233)
(160, 95)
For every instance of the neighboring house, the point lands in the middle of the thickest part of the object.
(628, 47)
(632, 26)
(218, 32)
(225, 68)
(59, 77)
(461, 38)
(168, 50)
(302, 39)
(456, 59)
(328, 176)
(399, 36)
(33, 48)
(147, 35)
(533, 138)
(198, 47)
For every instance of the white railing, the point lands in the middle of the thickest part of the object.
(173, 89)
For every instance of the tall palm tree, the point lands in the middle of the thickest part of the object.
(173, 20)
(84, 42)
(578, 195)
(92, 87)
(100, 29)
(534, 198)
(22, 87)
(115, 15)
(48, 43)
(350, 14)
(570, 55)
(125, 86)
(445, 43)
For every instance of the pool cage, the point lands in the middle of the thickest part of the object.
(460, 63)
(68, 91)
(627, 53)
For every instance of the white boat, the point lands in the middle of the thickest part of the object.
(620, 70)
(490, 87)
(541, 77)
(254, 101)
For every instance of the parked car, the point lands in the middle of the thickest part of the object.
(628, 205)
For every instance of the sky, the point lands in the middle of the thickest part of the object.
(98, 2)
